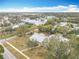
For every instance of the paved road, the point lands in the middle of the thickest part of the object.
(7, 54)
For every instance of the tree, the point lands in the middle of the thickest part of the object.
(56, 50)
(63, 29)
(63, 50)
(32, 43)
(74, 45)
(45, 28)
(1, 49)
(50, 21)
(1, 52)
(21, 31)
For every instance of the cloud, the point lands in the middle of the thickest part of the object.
(60, 8)
(72, 8)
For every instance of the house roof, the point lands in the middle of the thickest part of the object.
(63, 23)
(34, 21)
(15, 26)
(59, 37)
(38, 37)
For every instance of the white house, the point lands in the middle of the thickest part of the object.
(17, 25)
(77, 35)
(40, 37)
(51, 17)
(35, 21)
(59, 37)
(63, 23)
(6, 18)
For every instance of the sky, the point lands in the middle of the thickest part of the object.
(39, 6)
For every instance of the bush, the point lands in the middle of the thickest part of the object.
(32, 43)
(1, 49)
(45, 28)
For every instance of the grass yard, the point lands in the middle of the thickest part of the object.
(36, 53)
(19, 42)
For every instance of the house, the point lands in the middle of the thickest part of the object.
(34, 21)
(64, 19)
(17, 25)
(40, 37)
(77, 35)
(58, 37)
(63, 23)
(52, 17)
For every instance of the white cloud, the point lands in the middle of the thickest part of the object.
(60, 8)
(72, 8)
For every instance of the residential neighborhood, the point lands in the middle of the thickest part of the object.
(39, 29)
(36, 37)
